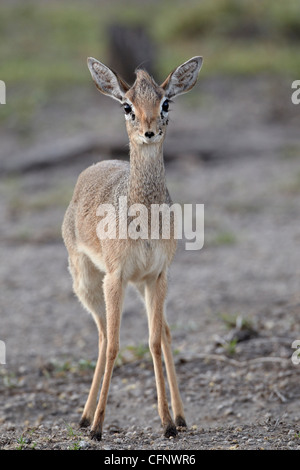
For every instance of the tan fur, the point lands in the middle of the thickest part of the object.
(101, 269)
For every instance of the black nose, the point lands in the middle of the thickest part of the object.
(149, 134)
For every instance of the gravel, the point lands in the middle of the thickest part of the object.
(233, 306)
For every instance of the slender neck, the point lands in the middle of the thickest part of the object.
(147, 183)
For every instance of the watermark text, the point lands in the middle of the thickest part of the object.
(159, 221)
(2, 92)
(296, 354)
(2, 353)
(296, 94)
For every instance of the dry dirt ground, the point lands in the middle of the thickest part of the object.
(233, 307)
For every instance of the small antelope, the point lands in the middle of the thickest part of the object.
(102, 268)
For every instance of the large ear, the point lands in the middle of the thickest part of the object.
(183, 78)
(107, 81)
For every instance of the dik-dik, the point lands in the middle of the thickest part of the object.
(102, 267)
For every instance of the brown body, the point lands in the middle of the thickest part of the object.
(102, 268)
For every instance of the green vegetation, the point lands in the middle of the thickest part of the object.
(21, 442)
(47, 43)
(63, 368)
(75, 446)
(132, 353)
(26, 442)
(232, 320)
(223, 238)
(230, 347)
(44, 46)
(71, 431)
(55, 197)
(8, 379)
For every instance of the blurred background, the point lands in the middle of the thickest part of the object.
(232, 145)
(44, 46)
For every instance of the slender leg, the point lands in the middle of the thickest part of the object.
(114, 294)
(177, 406)
(155, 294)
(91, 403)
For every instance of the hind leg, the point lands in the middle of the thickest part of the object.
(114, 289)
(177, 406)
(91, 403)
(87, 284)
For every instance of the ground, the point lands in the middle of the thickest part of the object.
(233, 306)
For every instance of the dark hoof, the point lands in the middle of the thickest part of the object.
(180, 422)
(170, 430)
(84, 423)
(96, 435)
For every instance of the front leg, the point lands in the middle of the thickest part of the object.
(155, 294)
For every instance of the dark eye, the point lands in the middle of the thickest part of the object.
(127, 108)
(165, 106)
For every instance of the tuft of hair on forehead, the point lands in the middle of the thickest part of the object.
(143, 75)
(145, 87)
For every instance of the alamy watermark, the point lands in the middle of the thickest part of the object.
(296, 94)
(296, 354)
(160, 221)
(2, 353)
(2, 92)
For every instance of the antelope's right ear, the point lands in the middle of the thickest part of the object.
(107, 81)
(183, 78)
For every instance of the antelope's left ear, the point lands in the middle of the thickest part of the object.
(183, 78)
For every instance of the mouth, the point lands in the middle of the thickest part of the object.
(151, 140)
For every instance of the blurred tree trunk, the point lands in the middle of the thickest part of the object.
(130, 47)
